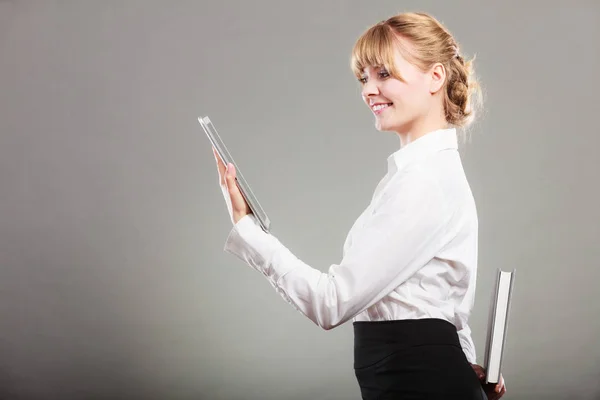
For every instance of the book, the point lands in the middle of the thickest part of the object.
(497, 324)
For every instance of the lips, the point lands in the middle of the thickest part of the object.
(379, 107)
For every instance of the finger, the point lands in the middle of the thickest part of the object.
(230, 178)
(500, 384)
(478, 371)
(496, 396)
(217, 157)
(237, 199)
(220, 166)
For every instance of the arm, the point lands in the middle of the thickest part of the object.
(462, 313)
(466, 342)
(402, 235)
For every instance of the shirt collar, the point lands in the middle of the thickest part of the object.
(431, 142)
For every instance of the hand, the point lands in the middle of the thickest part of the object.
(236, 204)
(492, 390)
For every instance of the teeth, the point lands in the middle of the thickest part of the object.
(380, 106)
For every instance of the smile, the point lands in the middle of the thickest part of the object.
(378, 108)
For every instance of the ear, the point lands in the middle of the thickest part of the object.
(437, 77)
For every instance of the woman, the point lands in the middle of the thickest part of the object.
(408, 273)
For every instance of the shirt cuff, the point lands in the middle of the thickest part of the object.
(257, 248)
(469, 351)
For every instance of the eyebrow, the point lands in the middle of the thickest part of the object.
(376, 67)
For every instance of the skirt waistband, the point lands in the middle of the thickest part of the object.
(375, 339)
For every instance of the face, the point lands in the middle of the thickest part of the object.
(398, 106)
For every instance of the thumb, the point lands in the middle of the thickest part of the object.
(229, 171)
(230, 179)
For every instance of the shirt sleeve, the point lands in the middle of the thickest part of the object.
(405, 231)
(462, 312)
(466, 342)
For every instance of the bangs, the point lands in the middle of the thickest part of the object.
(375, 48)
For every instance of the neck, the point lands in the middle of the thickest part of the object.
(413, 133)
(431, 122)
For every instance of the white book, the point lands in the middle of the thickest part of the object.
(497, 324)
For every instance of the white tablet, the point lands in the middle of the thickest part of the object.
(252, 201)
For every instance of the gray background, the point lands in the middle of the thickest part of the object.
(113, 281)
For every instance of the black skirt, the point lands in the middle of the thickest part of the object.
(412, 359)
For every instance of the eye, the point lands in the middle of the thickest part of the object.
(362, 80)
(384, 74)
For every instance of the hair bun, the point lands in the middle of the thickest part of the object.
(462, 92)
(459, 90)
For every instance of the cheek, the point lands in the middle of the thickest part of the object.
(413, 99)
(396, 91)
(421, 92)
(406, 95)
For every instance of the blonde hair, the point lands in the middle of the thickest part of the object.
(429, 42)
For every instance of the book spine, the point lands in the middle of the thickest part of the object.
(491, 320)
(510, 290)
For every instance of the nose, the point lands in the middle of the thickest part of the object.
(370, 88)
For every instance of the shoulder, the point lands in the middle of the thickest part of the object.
(445, 168)
(416, 186)
(420, 177)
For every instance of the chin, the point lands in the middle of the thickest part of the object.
(384, 126)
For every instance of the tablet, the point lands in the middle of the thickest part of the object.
(225, 156)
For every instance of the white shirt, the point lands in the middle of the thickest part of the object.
(412, 253)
